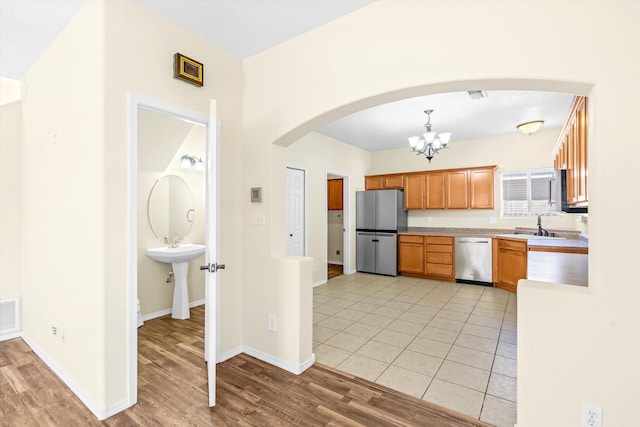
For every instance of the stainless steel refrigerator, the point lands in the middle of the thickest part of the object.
(380, 215)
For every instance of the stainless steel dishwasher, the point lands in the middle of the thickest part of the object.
(473, 260)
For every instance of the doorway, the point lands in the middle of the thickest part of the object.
(337, 237)
(179, 119)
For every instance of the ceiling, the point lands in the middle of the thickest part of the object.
(246, 27)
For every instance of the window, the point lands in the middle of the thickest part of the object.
(529, 193)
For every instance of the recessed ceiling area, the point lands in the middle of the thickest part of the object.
(388, 126)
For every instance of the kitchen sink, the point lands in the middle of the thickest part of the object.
(534, 233)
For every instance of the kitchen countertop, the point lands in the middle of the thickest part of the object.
(558, 267)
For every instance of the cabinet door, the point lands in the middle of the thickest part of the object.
(434, 195)
(414, 192)
(481, 188)
(411, 254)
(581, 152)
(373, 183)
(512, 263)
(457, 187)
(334, 194)
(394, 182)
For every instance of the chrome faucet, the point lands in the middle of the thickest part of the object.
(541, 231)
(172, 243)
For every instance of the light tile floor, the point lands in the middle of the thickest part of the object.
(448, 343)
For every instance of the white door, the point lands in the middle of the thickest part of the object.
(211, 255)
(295, 212)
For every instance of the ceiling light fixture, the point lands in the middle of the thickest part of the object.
(530, 127)
(188, 162)
(430, 142)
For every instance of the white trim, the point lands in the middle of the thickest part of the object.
(334, 262)
(10, 336)
(229, 354)
(319, 283)
(282, 364)
(101, 412)
(166, 311)
(135, 101)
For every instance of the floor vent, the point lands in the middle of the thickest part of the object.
(9, 317)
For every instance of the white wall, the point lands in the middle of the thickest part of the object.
(63, 204)
(319, 154)
(379, 54)
(10, 199)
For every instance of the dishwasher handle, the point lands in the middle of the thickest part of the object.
(474, 240)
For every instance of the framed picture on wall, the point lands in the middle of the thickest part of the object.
(187, 69)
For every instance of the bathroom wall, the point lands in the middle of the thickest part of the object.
(157, 138)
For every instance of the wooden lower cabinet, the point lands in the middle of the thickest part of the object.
(511, 263)
(430, 257)
(411, 254)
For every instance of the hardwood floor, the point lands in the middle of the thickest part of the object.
(172, 390)
(334, 270)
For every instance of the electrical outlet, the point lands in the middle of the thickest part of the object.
(273, 323)
(58, 332)
(492, 220)
(591, 416)
(429, 219)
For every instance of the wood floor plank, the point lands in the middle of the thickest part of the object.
(172, 390)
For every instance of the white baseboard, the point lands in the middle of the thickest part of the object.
(282, 364)
(10, 336)
(166, 311)
(335, 262)
(229, 354)
(118, 407)
(101, 412)
(320, 282)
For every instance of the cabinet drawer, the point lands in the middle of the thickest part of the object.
(440, 258)
(439, 240)
(513, 245)
(447, 249)
(439, 269)
(410, 239)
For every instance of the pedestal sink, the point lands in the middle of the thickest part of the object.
(179, 258)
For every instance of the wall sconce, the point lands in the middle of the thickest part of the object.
(188, 162)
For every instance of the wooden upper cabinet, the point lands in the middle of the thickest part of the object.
(373, 182)
(334, 194)
(394, 182)
(434, 190)
(571, 153)
(414, 190)
(384, 182)
(457, 187)
(481, 183)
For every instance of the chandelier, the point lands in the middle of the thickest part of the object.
(430, 142)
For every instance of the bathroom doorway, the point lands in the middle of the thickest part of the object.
(170, 144)
(337, 231)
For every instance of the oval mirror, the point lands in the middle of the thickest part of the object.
(171, 209)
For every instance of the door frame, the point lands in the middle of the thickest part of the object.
(135, 101)
(346, 220)
(305, 205)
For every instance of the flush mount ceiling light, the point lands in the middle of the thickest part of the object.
(530, 127)
(430, 142)
(188, 162)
